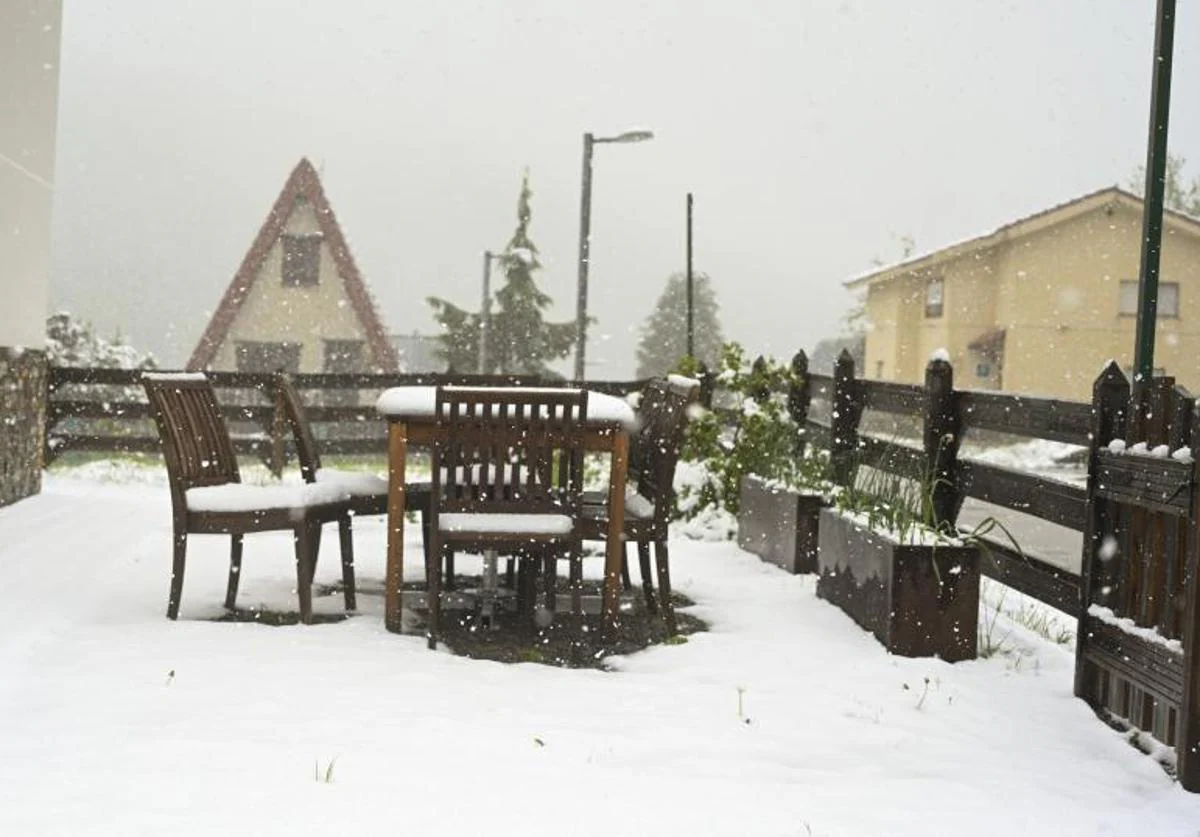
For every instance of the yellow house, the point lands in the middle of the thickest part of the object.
(1040, 304)
(297, 302)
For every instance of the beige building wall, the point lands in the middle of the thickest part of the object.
(275, 313)
(30, 32)
(1055, 292)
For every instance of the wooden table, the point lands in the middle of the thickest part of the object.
(410, 415)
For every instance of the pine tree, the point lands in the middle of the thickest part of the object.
(520, 341)
(663, 341)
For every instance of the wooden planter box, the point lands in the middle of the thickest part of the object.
(892, 590)
(778, 525)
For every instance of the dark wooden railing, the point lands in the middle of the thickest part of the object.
(947, 416)
(104, 410)
(1137, 597)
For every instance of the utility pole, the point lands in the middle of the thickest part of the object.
(1152, 214)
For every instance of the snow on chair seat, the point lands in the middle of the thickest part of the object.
(514, 524)
(354, 483)
(239, 497)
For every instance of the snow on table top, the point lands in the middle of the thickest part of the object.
(419, 402)
(239, 497)
(175, 376)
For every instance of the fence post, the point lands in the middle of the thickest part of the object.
(847, 410)
(1110, 402)
(49, 418)
(760, 387)
(708, 384)
(941, 443)
(799, 399)
(277, 453)
(1187, 743)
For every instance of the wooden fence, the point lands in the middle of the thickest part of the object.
(105, 410)
(947, 416)
(1137, 599)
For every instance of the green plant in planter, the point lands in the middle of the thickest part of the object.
(891, 500)
(749, 432)
(900, 501)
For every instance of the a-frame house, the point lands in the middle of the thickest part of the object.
(298, 302)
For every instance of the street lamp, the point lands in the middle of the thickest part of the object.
(485, 318)
(585, 225)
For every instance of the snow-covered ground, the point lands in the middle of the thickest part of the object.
(784, 719)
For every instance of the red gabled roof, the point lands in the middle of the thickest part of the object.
(302, 183)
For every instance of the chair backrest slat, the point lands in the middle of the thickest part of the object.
(195, 439)
(496, 450)
(288, 400)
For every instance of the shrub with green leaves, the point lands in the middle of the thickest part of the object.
(748, 431)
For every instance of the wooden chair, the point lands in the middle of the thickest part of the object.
(520, 494)
(663, 412)
(368, 493)
(649, 404)
(208, 497)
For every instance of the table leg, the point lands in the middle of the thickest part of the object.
(397, 451)
(615, 543)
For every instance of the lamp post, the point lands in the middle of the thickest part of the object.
(585, 232)
(691, 319)
(485, 317)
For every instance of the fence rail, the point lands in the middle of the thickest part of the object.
(1137, 597)
(953, 414)
(104, 410)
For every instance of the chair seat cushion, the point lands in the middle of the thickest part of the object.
(239, 497)
(515, 524)
(354, 483)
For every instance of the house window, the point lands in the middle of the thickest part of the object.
(255, 356)
(983, 370)
(301, 260)
(1168, 299)
(879, 370)
(343, 357)
(934, 291)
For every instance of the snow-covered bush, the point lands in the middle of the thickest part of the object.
(749, 432)
(72, 342)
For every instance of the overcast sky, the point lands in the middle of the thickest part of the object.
(813, 134)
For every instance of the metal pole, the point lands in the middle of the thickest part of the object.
(585, 224)
(691, 318)
(1152, 215)
(485, 318)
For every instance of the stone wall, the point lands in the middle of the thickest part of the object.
(22, 422)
